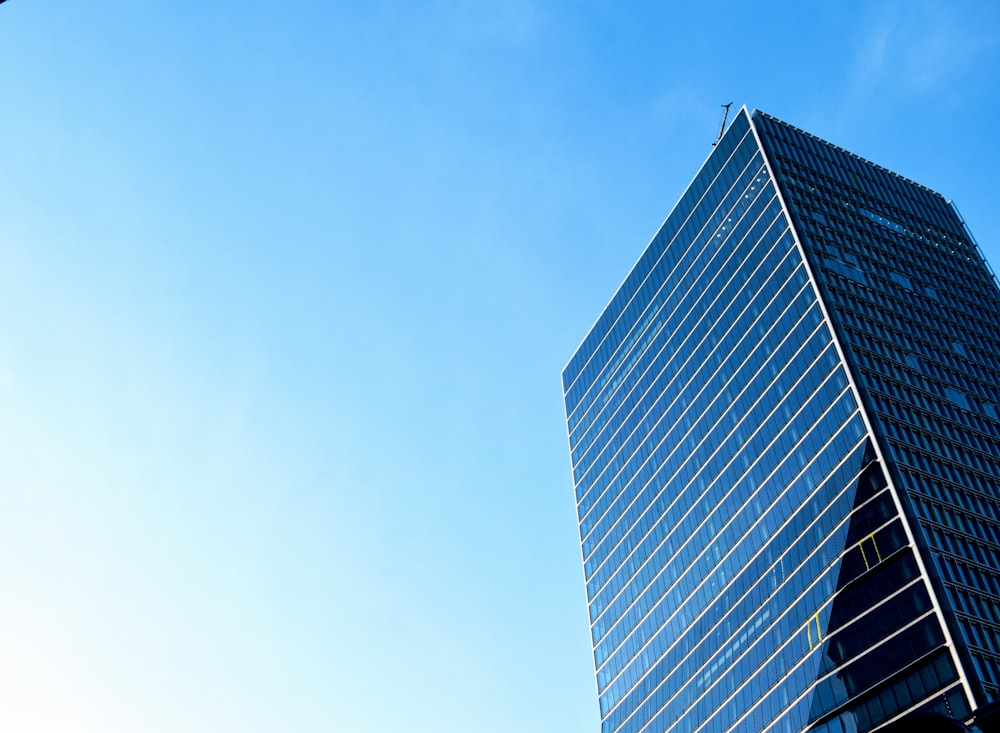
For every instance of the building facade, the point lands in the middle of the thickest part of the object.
(785, 437)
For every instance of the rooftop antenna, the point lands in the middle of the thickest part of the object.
(722, 127)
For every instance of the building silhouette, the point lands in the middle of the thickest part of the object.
(785, 437)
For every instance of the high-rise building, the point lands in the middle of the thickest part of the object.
(785, 437)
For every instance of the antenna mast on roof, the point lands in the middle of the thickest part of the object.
(722, 127)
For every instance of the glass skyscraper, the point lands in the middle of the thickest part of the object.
(785, 438)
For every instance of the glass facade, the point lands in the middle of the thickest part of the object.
(784, 452)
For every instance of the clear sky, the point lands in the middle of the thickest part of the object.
(285, 294)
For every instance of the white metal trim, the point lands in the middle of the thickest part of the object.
(949, 641)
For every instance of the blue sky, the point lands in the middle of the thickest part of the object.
(285, 295)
